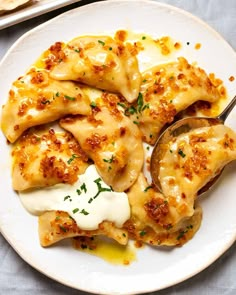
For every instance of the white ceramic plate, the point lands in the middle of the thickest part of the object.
(33, 9)
(154, 269)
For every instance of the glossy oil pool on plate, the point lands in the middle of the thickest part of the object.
(155, 268)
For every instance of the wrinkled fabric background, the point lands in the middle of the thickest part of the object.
(18, 278)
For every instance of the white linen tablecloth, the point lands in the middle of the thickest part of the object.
(18, 278)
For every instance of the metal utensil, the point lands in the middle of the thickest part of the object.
(178, 128)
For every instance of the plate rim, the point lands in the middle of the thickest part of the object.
(94, 4)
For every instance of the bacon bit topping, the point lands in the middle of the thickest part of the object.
(22, 109)
(197, 46)
(37, 78)
(177, 45)
(16, 127)
(121, 35)
(196, 164)
(163, 43)
(95, 141)
(231, 78)
(157, 209)
(227, 142)
(122, 131)
(165, 112)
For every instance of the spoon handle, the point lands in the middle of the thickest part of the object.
(223, 116)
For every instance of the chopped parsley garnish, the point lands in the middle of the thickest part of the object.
(142, 233)
(69, 97)
(121, 105)
(144, 37)
(131, 110)
(72, 158)
(101, 42)
(147, 188)
(110, 48)
(109, 160)
(171, 151)
(181, 153)
(136, 122)
(183, 232)
(79, 192)
(93, 104)
(63, 228)
(45, 101)
(83, 211)
(84, 188)
(140, 102)
(67, 197)
(57, 94)
(77, 50)
(57, 218)
(100, 189)
(75, 210)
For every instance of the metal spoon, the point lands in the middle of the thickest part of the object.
(178, 128)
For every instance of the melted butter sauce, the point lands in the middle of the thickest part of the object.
(106, 249)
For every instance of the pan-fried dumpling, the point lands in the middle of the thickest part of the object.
(43, 157)
(58, 225)
(193, 159)
(97, 61)
(36, 99)
(168, 89)
(155, 219)
(113, 142)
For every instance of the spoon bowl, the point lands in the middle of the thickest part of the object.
(180, 127)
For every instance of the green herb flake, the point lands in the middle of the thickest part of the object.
(100, 188)
(147, 188)
(101, 42)
(142, 233)
(183, 232)
(135, 122)
(148, 148)
(123, 234)
(84, 188)
(93, 104)
(109, 160)
(63, 228)
(45, 102)
(69, 97)
(145, 80)
(171, 151)
(110, 48)
(72, 158)
(140, 102)
(181, 153)
(57, 218)
(75, 210)
(131, 110)
(79, 192)
(121, 105)
(83, 211)
(77, 50)
(144, 37)
(67, 197)
(57, 94)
